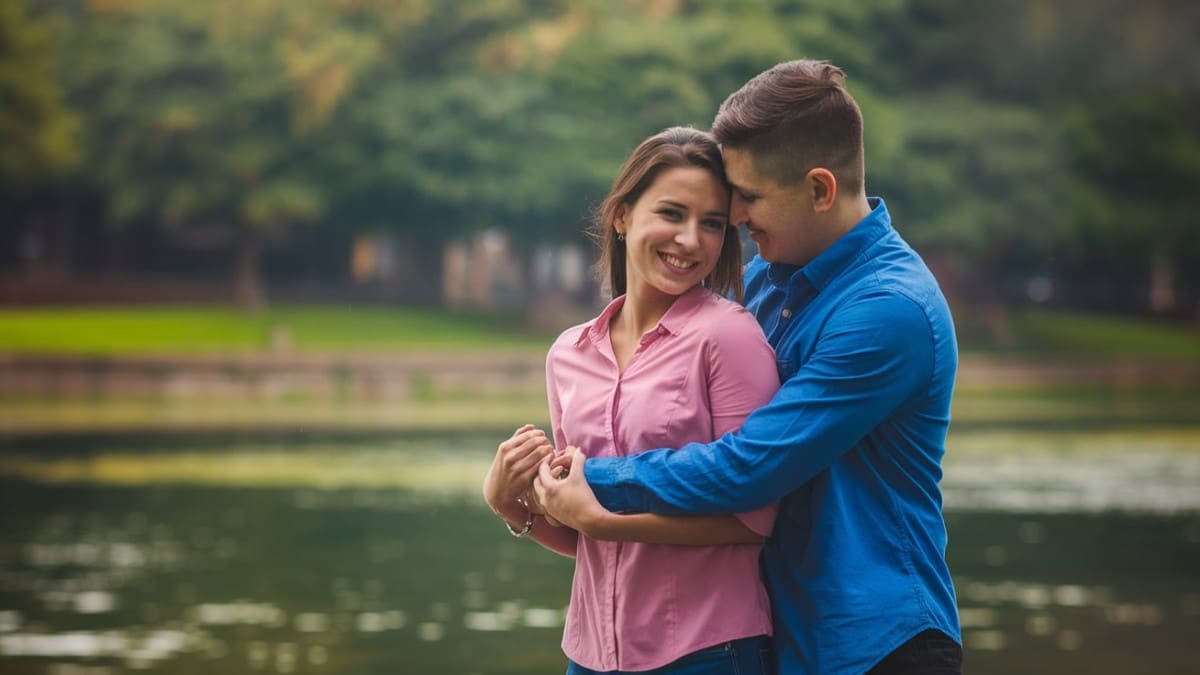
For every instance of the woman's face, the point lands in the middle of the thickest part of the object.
(674, 232)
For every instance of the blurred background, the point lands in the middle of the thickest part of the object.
(276, 276)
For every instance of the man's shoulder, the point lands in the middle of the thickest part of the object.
(895, 269)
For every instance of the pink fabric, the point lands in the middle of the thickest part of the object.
(703, 369)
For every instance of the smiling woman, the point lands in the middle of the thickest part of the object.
(668, 361)
(680, 220)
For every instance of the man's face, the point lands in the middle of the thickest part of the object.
(780, 219)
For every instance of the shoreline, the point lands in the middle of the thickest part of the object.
(440, 392)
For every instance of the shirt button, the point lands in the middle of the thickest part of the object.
(787, 313)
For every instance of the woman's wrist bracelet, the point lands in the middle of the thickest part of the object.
(528, 521)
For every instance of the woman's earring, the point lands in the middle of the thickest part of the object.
(620, 236)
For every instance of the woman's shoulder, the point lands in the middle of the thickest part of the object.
(720, 328)
(570, 337)
(734, 346)
(725, 319)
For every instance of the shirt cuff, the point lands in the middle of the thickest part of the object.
(603, 474)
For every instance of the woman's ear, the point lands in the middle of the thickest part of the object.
(619, 219)
(823, 186)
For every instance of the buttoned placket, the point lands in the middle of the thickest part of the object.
(649, 338)
(800, 292)
(612, 554)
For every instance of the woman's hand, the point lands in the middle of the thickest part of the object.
(562, 491)
(513, 470)
(560, 464)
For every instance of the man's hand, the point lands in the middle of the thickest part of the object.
(513, 469)
(560, 465)
(562, 491)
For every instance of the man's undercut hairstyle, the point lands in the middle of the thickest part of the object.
(676, 147)
(793, 118)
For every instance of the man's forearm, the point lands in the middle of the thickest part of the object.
(604, 475)
(636, 484)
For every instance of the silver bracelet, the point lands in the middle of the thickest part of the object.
(528, 521)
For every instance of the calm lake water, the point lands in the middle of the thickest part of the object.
(378, 557)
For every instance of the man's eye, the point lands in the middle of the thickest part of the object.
(747, 197)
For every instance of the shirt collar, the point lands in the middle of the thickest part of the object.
(835, 259)
(672, 322)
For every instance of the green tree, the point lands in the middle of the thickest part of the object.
(37, 131)
(1135, 168)
(1082, 116)
(215, 116)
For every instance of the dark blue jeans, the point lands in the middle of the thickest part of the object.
(931, 652)
(747, 656)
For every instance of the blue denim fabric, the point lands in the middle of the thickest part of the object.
(747, 656)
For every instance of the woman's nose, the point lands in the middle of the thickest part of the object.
(689, 235)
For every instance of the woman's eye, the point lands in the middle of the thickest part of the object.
(670, 214)
(715, 224)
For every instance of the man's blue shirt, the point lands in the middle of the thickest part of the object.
(851, 445)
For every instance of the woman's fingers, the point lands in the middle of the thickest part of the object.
(520, 446)
(561, 461)
(526, 464)
(519, 437)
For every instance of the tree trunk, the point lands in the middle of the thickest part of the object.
(1162, 281)
(249, 292)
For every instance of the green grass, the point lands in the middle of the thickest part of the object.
(180, 330)
(188, 330)
(1075, 334)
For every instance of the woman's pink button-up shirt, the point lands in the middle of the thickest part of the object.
(697, 375)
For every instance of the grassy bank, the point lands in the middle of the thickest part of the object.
(1076, 335)
(191, 330)
(1031, 370)
(197, 330)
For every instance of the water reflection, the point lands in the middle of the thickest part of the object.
(172, 577)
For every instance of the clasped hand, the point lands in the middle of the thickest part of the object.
(563, 493)
(528, 473)
(508, 481)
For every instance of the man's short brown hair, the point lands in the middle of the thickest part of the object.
(793, 118)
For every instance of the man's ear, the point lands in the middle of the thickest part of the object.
(823, 186)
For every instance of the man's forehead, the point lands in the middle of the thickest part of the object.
(740, 168)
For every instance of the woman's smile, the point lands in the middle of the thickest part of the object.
(677, 263)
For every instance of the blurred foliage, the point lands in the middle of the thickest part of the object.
(37, 131)
(1012, 139)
